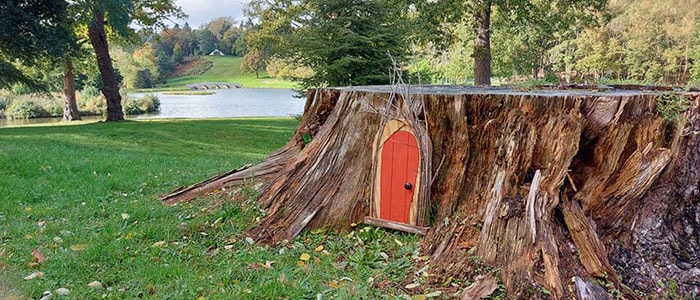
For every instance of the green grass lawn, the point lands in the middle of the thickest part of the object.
(85, 197)
(227, 69)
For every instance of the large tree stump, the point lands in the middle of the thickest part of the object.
(547, 185)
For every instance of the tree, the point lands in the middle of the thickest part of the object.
(482, 42)
(206, 41)
(220, 26)
(546, 15)
(32, 31)
(343, 42)
(117, 15)
(253, 62)
(70, 104)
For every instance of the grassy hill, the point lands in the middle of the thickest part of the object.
(227, 69)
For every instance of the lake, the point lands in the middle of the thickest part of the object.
(242, 102)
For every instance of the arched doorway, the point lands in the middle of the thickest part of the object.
(400, 161)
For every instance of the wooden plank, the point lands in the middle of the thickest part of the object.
(396, 226)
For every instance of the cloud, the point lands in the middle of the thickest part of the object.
(202, 11)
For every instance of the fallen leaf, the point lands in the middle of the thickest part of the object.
(268, 264)
(319, 248)
(334, 284)
(434, 294)
(282, 278)
(228, 247)
(300, 263)
(41, 223)
(95, 284)
(39, 257)
(382, 284)
(34, 275)
(57, 239)
(412, 286)
(253, 266)
(249, 240)
(125, 217)
(159, 244)
(78, 247)
(28, 209)
(201, 298)
(304, 256)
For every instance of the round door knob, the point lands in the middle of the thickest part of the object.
(407, 186)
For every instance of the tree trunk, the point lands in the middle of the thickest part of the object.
(482, 42)
(110, 84)
(545, 186)
(70, 107)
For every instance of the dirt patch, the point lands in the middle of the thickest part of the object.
(192, 67)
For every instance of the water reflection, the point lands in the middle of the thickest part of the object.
(223, 103)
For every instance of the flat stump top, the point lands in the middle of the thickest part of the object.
(547, 91)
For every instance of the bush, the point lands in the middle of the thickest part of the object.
(25, 109)
(3, 106)
(146, 104)
(90, 92)
(96, 105)
(143, 79)
(53, 108)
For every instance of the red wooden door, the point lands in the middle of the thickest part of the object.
(400, 162)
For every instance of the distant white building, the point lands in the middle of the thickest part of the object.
(217, 52)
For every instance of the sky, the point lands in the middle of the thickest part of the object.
(202, 11)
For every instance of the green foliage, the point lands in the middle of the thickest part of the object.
(25, 109)
(33, 33)
(146, 104)
(354, 48)
(206, 41)
(343, 42)
(143, 79)
(253, 62)
(286, 69)
(672, 106)
(30, 106)
(90, 92)
(92, 105)
(54, 108)
(307, 138)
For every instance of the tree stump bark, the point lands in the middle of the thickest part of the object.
(547, 185)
